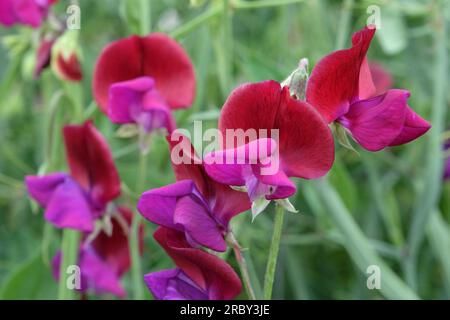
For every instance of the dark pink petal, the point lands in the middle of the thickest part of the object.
(282, 186)
(334, 81)
(306, 143)
(382, 79)
(70, 208)
(30, 12)
(173, 284)
(114, 248)
(180, 206)
(251, 165)
(137, 101)
(232, 166)
(156, 56)
(224, 202)
(7, 13)
(206, 270)
(91, 163)
(96, 274)
(376, 122)
(41, 188)
(413, 128)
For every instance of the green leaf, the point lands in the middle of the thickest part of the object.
(31, 280)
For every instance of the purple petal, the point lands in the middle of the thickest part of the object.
(7, 14)
(198, 224)
(137, 101)
(414, 127)
(180, 206)
(41, 188)
(96, 275)
(282, 186)
(69, 207)
(173, 284)
(125, 99)
(376, 122)
(232, 166)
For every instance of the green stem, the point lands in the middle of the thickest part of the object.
(242, 266)
(145, 19)
(210, 13)
(432, 175)
(69, 257)
(273, 253)
(262, 3)
(136, 267)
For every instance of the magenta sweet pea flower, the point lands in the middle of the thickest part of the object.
(76, 200)
(27, 12)
(341, 88)
(103, 261)
(195, 205)
(141, 79)
(199, 275)
(304, 148)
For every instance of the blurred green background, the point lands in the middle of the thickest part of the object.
(389, 208)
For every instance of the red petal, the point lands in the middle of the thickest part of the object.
(91, 163)
(382, 79)
(68, 69)
(114, 249)
(156, 56)
(306, 143)
(334, 81)
(251, 106)
(207, 270)
(168, 63)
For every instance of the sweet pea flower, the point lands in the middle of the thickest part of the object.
(141, 79)
(199, 275)
(304, 149)
(106, 258)
(27, 12)
(341, 88)
(67, 66)
(77, 199)
(195, 205)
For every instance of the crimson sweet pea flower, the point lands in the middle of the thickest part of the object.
(76, 200)
(67, 66)
(305, 147)
(103, 261)
(341, 88)
(196, 205)
(27, 12)
(140, 79)
(199, 275)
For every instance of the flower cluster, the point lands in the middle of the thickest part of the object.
(57, 46)
(82, 200)
(138, 82)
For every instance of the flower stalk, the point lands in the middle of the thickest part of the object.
(273, 253)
